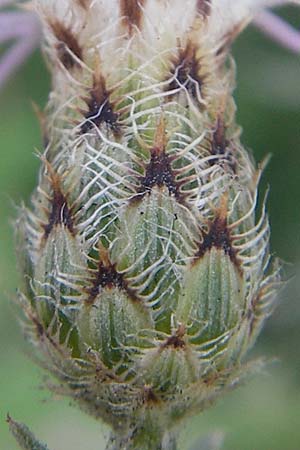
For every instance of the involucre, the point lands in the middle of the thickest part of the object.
(145, 257)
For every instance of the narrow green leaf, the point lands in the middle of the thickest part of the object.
(24, 437)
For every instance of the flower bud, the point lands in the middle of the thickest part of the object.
(145, 256)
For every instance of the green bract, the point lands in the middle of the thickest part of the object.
(145, 258)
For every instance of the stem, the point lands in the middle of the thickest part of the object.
(147, 434)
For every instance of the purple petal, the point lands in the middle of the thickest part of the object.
(23, 26)
(14, 57)
(16, 24)
(278, 30)
(5, 3)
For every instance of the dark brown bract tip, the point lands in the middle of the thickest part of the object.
(159, 171)
(107, 277)
(67, 47)
(220, 146)
(176, 340)
(186, 71)
(60, 213)
(85, 4)
(100, 108)
(149, 395)
(132, 13)
(218, 236)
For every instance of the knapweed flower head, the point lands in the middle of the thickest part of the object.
(145, 255)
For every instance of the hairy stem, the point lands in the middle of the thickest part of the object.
(144, 435)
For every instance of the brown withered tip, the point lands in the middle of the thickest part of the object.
(107, 277)
(100, 108)
(220, 145)
(186, 71)
(149, 395)
(229, 38)
(67, 47)
(218, 236)
(160, 138)
(204, 7)
(85, 4)
(42, 119)
(219, 141)
(8, 419)
(39, 327)
(60, 213)
(132, 13)
(42, 332)
(253, 312)
(176, 340)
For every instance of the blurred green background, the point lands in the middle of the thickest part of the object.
(264, 414)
